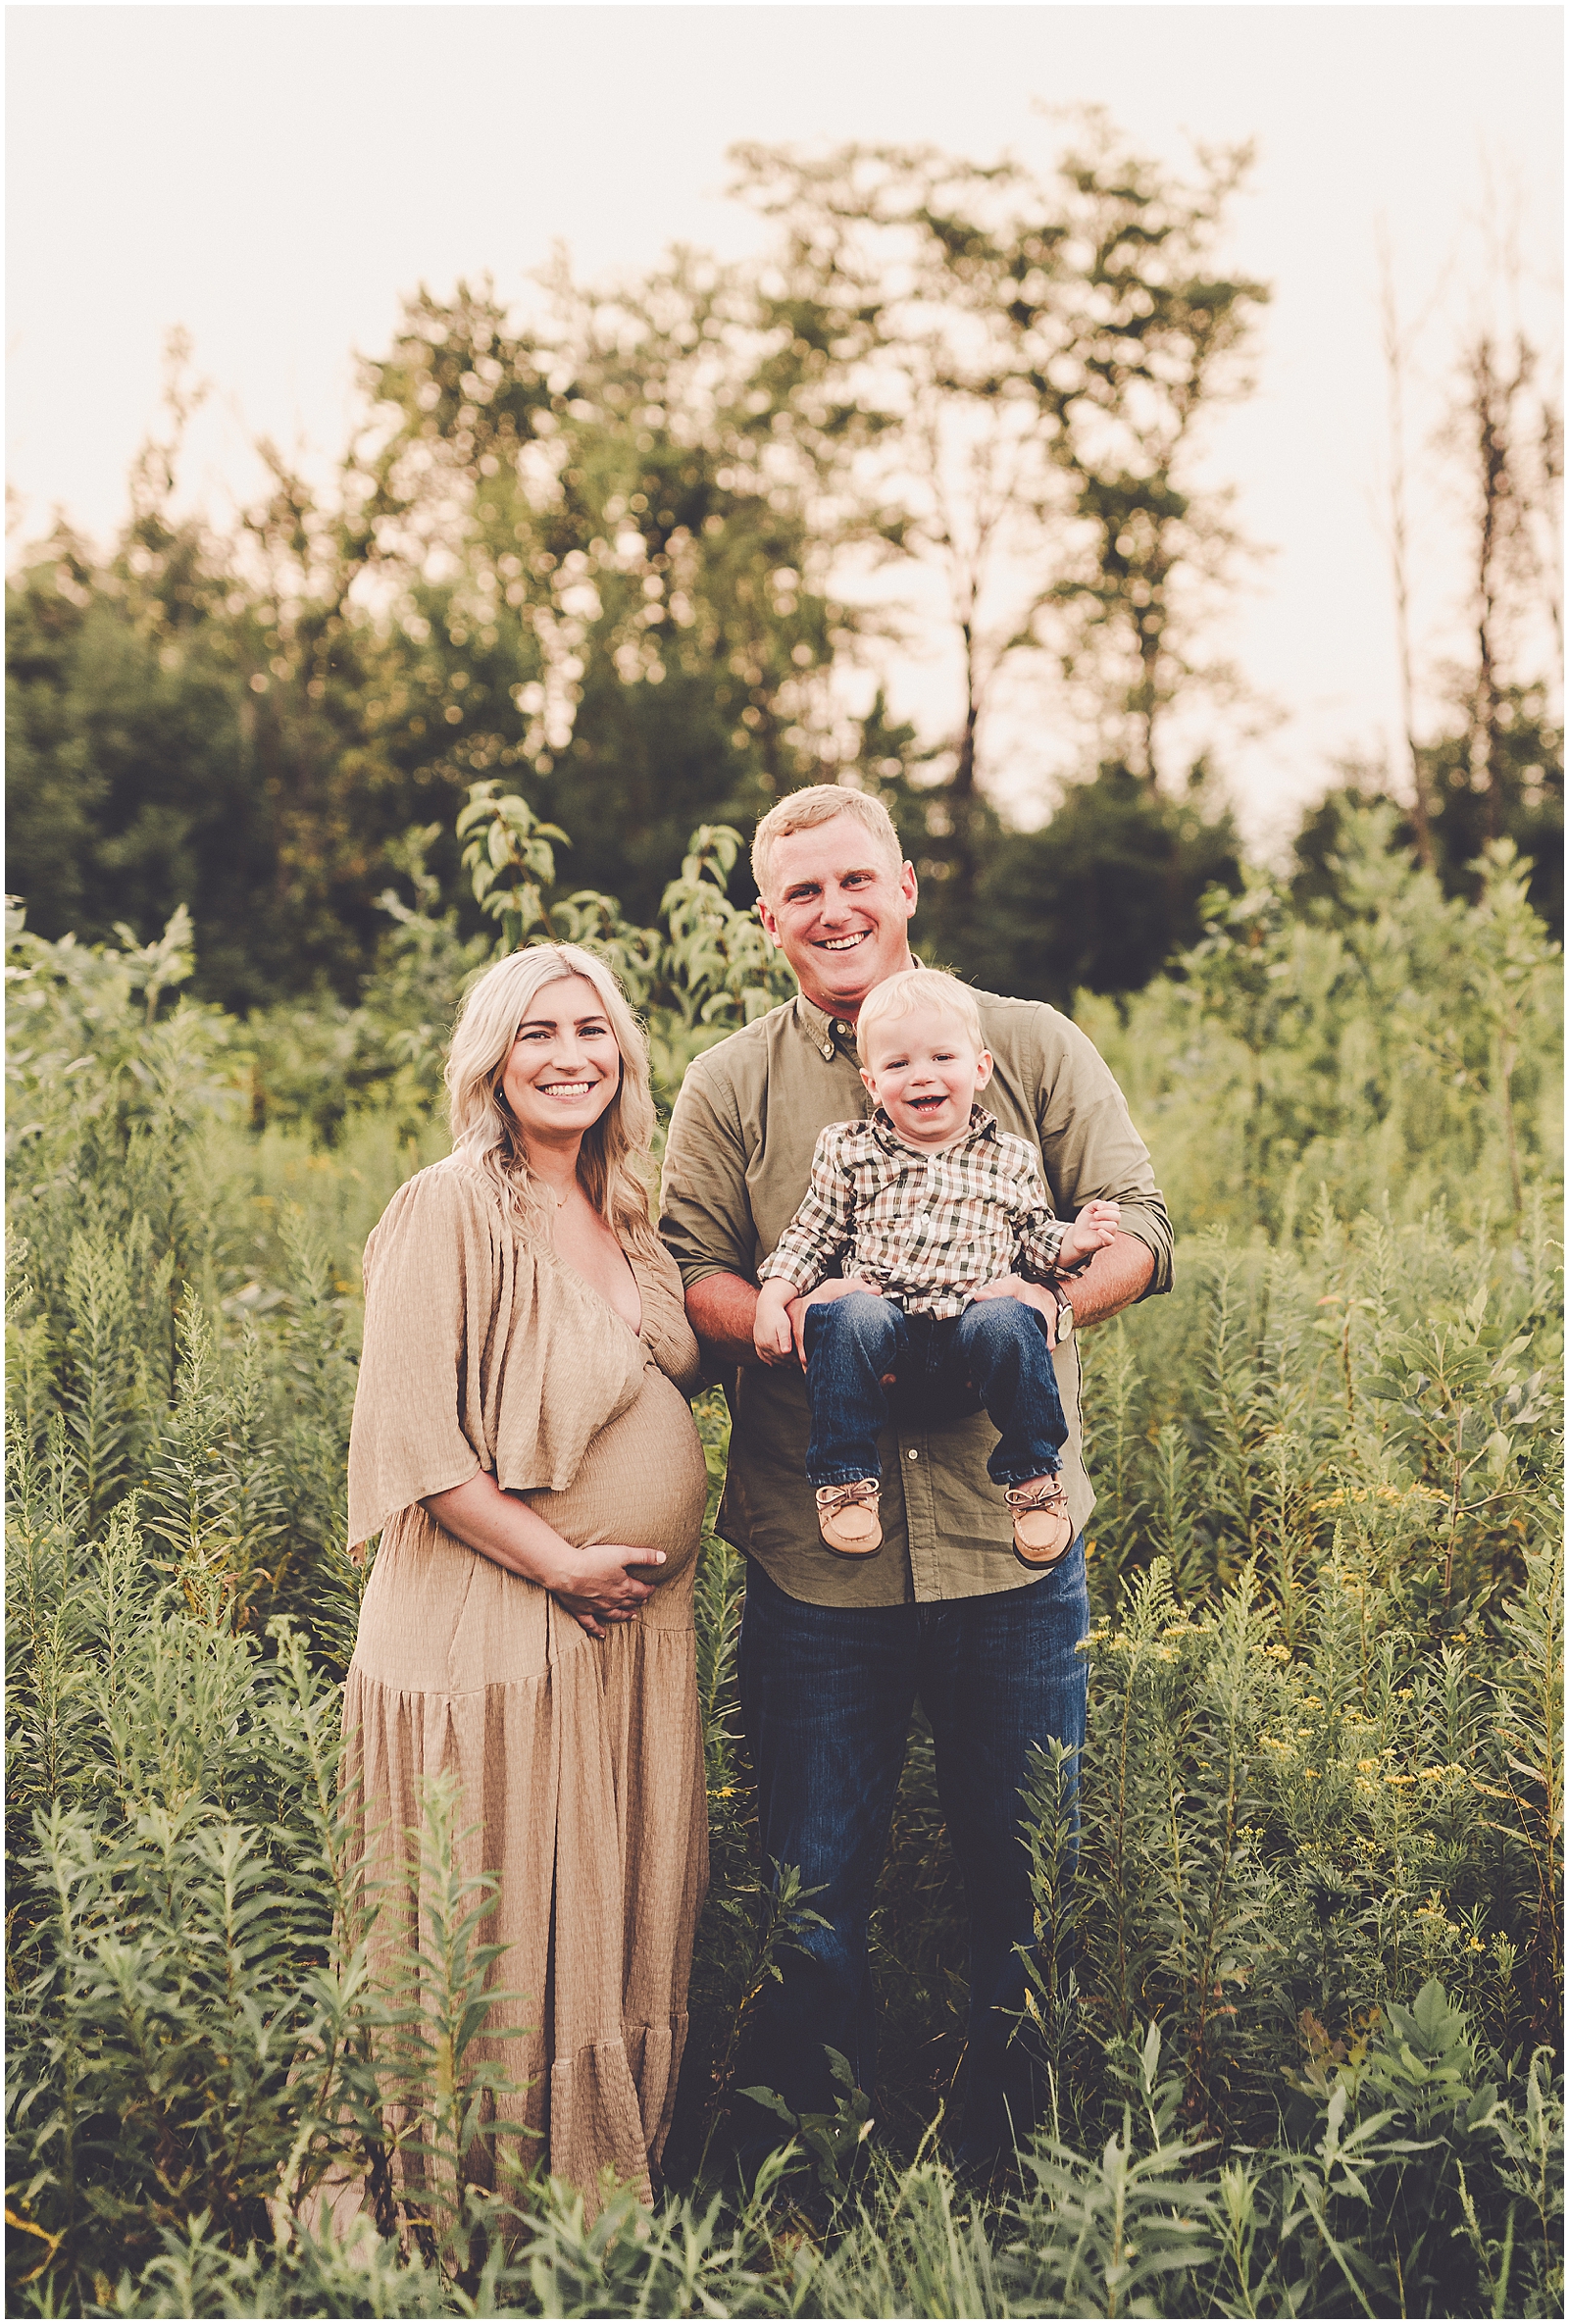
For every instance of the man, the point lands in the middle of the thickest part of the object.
(833, 1656)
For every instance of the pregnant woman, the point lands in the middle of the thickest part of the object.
(522, 1444)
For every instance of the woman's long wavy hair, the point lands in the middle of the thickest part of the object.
(615, 1152)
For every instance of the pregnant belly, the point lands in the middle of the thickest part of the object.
(643, 1480)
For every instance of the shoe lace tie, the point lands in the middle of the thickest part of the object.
(1051, 1495)
(844, 1496)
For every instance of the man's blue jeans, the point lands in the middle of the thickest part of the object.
(996, 1355)
(827, 1694)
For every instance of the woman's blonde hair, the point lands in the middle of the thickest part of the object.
(483, 1131)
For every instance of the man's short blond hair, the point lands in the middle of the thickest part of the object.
(804, 810)
(913, 988)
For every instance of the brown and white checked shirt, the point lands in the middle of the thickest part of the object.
(737, 1161)
(927, 1229)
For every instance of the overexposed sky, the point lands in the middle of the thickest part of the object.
(274, 177)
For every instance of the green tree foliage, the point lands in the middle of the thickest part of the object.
(132, 781)
(1521, 800)
(604, 557)
(642, 487)
(1370, 1054)
(1042, 356)
(1105, 894)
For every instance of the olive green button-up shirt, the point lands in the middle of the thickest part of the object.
(737, 1161)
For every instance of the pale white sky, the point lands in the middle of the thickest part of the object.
(274, 177)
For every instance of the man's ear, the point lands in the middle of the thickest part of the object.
(769, 925)
(983, 1069)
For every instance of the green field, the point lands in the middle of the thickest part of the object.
(1307, 2060)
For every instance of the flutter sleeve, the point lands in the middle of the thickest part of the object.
(433, 1282)
(668, 1334)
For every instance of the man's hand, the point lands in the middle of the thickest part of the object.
(836, 1288)
(1113, 1280)
(1038, 1295)
(772, 1334)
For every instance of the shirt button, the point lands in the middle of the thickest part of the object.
(912, 1455)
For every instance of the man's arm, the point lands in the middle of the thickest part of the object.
(720, 1309)
(1091, 1149)
(1113, 1280)
(706, 1222)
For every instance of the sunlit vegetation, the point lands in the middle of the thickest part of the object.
(1303, 1998)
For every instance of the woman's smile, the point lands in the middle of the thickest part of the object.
(564, 1067)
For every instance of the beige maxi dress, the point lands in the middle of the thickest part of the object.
(579, 1760)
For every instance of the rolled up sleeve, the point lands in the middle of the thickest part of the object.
(1093, 1152)
(705, 1218)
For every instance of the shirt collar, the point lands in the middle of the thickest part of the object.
(982, 1126)
(824, 1031)
(820, 1030)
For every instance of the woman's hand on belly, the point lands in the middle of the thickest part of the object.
(606, 1586)
(596, 1587)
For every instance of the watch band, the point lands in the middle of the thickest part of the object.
(1064, 1314)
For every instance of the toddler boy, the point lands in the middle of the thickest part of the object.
(930, 1207)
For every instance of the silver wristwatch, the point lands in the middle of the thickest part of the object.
(1064, 1314)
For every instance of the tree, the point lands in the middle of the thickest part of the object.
(599, 556)
(1491, 766)
(216, 722)
(1039, 357)
(1101, 898)
(1509, 438)
(641, 492)
(1524, 804)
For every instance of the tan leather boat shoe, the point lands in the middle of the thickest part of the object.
(848, 1519)
(1042, 1530)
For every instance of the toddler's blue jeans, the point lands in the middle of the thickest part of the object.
(996, 1356)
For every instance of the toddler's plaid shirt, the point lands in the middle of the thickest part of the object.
(929, 1229)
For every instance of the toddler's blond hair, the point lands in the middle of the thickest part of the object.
(914, 989)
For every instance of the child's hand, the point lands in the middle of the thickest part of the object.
(772, 1335)
(1091, 1230)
